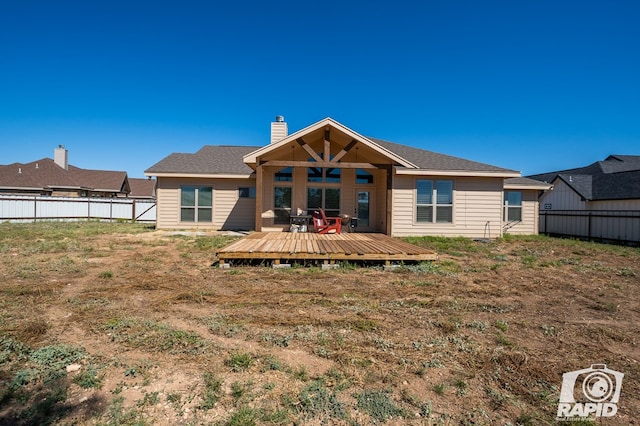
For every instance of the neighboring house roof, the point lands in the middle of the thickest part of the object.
(209, 160)
(617, 177)
(142, 188)
(235, 160)
(45, 174)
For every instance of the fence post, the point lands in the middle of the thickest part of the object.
(133, 210)
(589, 226)
(35, 209)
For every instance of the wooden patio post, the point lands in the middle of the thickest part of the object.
(259, 195)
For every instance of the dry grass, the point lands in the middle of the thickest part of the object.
(480, 337)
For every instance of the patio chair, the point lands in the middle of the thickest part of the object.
(326, 225)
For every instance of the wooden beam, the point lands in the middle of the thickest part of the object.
(344, 151)
(328, 164)
(309, 150)
(327, 145)
(259, 196)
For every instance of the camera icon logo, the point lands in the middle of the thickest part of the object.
(591, 391)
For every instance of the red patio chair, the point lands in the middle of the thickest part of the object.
(326, 225)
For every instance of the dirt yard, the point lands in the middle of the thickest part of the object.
(117, 324)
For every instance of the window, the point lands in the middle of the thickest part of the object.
(281, 204)
(434, 201)
(284, 175)
(363, 177)
(196, 203)
(328, 199)
(319, 174)
(513, 206)
(247, 192)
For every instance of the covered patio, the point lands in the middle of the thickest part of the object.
(281, 247)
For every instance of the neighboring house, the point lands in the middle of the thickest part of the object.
(58, 178)
(391, 188)
(142, 189)
(612, 184)
(600, 201)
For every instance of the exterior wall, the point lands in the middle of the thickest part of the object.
(347, 187)
(561, 197)
(477, 209)
(229, 211)
(530, 217)
(619, 205)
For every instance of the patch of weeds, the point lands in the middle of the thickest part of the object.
(276, 340)
(439, 388)
(243, 417)
(382, 344)
(604, 306)
(433, 363)
(315, 400)
(529, 260)
(504, 341)
(221, 325)
(364, 325)
(627, 272)
(502, 325)
(461, 387)
(154, 336)
(55, 358)
(424, 407)
(497, 398)
(212, 391)
(271, 363)
(478, 325)
(549, 330)
(106, 274)
(378, 404)
(240, 390)
(301, 374)
(496, 309)
(89, 379)
(118, 415)
(240, 361)
(150, 399)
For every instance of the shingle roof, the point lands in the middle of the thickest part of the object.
(229, 160)
(46, 174)
(615, 178)
(523, 181)
(142, 188)
(209, 159)
(430, 160)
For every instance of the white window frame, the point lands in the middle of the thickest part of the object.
(434, 205)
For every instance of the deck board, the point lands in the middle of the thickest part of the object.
(279, 246)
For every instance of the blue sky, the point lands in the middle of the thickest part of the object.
(533, 86)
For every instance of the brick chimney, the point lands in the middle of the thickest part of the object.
(278, 129)
(61, 157)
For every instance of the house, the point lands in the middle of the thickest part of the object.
(611, 184)
(142, 189)
(598, 201)
(58, 178)
(390, 188)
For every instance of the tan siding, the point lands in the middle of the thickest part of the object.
(477, 209)
(229, 212)
(529, 224)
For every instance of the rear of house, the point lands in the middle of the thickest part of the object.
(388, 188)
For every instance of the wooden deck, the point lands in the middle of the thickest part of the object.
(329, 248)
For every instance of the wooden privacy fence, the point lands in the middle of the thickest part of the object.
(602, 225)
(14, 208)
